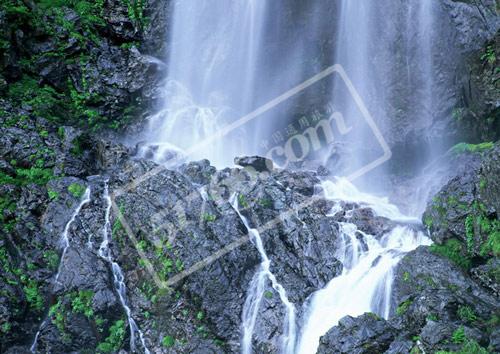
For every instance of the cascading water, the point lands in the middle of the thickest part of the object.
(366, 280)
(386, 48)
(211, 69)
(65, 243)
(255, 294)
(215, 55)
(119, 279)
(65, 235)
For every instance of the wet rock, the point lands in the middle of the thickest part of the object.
(259, 164)
(199, 172)
(364, 334)
(432, 298)
(488, 275)
(467, 206)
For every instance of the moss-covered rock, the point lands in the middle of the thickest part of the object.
(463, 217)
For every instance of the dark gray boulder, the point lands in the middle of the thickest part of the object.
(367, 333)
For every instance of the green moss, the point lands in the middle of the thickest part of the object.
(403, 307)
(453, 250)
(168, 341)
(76, 190)
(209, 217)
(265, 202)
(428, 221)
(433, 317)
(53, 195)
(242, 201)
(268, 294)
(5, 327)
(52, 259)
(489, 55)
(482, 231)
(471, 148)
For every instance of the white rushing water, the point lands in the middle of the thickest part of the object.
(65, 243)
(119, 279)
(255, 294)
(366, 280)
(211, 73)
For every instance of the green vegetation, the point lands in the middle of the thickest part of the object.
(403, 307)
(483, 231)
(7, 205)
(53, 195)
(78, 103)
(453, 250)
(265, 202)
(168, 341)
(466, 314)
(81, 302)
(209, 217)
(32, 293)
(16, 276)
(458, 336)
(458, 113)
(433, 317)
(268, 294)
(136, 11)
(77, 190)
(52, 259)
(114, 341)
(25, 176)
(58, 317)
(489, 55)
(5, 328)
(469, 347)
(242, 201)
(428, 222)
(471, 148)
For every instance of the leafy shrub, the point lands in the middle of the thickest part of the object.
(114, 341)
(82, 302)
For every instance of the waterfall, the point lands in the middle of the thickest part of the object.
(65, 242)
(213, 54)
(366, 280)
(65, 235)
(119, 279)
(35, 341)
(255, 294)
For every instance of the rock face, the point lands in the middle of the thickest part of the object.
(365, 334)
(445, 297)
(184, 251)
(82, 65)
(466, 210)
